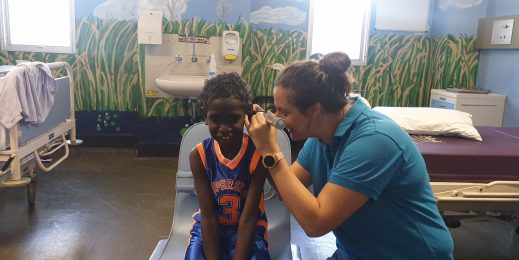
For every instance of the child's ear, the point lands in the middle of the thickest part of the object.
(203, 112)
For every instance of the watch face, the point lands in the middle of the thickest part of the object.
(269, 161)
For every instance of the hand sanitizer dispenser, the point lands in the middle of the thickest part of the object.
(230, 45)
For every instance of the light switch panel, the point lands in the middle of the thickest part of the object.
(502, 32)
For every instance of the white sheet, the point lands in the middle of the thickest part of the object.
(3, 138)
(36, 91)
(27, 92)
(10, 108)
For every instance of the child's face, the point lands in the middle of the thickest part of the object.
(225, 119)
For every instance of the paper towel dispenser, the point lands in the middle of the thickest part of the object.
(149, 27)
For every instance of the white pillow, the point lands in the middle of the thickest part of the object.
(432, 121)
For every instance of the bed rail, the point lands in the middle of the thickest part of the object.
(57, 65)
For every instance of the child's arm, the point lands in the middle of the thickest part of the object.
(273, 184)
(209, 220)
(249, 217)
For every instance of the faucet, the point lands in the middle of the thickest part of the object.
(178, 58)
(194, 59)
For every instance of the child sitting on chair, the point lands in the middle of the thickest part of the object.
(229, 178)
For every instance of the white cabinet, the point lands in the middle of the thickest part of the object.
(486, 109)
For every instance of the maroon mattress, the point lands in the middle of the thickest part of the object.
(456, 159)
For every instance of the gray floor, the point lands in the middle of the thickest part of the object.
(109, 204)
(99, 204)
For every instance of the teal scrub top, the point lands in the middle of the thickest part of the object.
(372, 155)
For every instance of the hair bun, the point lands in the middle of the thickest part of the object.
(335, 62)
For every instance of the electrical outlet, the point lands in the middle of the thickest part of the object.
(502, 32)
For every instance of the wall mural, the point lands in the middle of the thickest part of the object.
(446, 4)
(129, 9)
(290, 15)
(108, 65)
(402, 69)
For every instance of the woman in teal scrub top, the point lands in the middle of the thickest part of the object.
(371, 187)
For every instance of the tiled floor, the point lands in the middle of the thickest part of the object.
(99, 204)
(109, 204)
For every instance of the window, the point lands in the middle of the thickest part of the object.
(340, 26)
(38, 26)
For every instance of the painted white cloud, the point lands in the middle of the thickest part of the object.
(446, 4)
(129, 9)
(285, 15)
(117, 9)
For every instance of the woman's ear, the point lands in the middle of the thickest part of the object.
(314, 110)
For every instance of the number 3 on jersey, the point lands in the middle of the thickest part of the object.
(230, 204)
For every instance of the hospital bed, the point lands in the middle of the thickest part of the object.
(27, 143)
(186, 203)
(478, 179)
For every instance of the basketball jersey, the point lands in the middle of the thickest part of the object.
(230, 180)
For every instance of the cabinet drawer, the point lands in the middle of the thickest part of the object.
(480, 102)
(441, 104)
(443, 98)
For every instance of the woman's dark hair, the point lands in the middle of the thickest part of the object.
(227, 85)
(325, 81)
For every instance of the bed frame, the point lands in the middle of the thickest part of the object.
(28, 143)
(474, 180)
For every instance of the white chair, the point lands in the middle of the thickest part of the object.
(186, 203)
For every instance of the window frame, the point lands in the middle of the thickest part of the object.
(6, 36)
(363, 60)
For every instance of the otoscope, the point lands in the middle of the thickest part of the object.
(271, 119)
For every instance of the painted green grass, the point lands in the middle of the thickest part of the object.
(109, 64)
(269, 47)
(105, 66)
(395, 73)
(402, 69)
(453, 62)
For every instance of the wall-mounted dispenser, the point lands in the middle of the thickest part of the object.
(498, 33)
(230, 45)
(149, 27)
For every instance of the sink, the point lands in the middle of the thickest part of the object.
(181, 85)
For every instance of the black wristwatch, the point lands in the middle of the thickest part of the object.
(271, 160)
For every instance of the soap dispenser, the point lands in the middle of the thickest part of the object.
(212, 67)
(230, 45)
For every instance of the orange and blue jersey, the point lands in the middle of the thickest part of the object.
(230, 181)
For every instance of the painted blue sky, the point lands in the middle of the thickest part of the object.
(281, 14)
(207, 10)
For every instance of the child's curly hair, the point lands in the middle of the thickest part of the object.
(226, 85)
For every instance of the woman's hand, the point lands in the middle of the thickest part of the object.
(262, 133)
